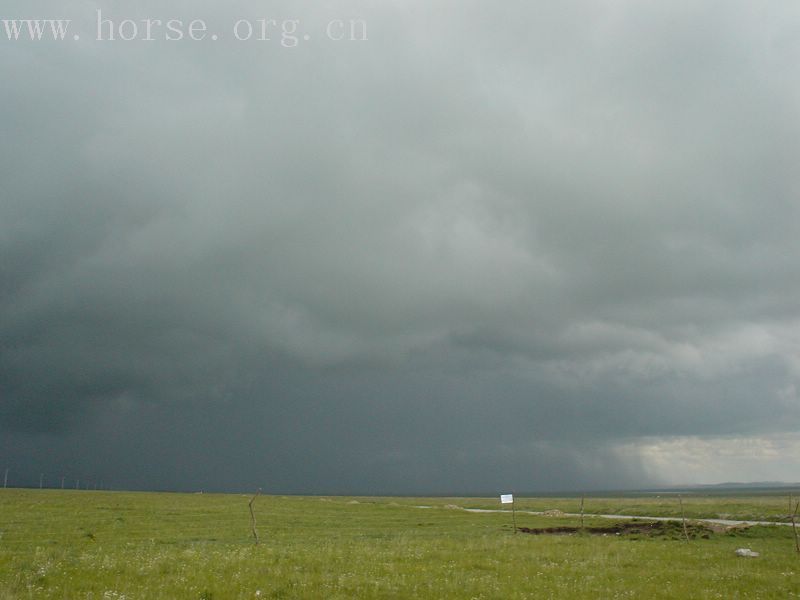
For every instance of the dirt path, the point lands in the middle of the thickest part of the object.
(727, 522)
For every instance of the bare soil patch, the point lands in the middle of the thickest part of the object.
(633, 529)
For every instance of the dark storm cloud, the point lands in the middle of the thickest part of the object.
(487, 248)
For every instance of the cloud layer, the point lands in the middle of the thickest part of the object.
(536, 247)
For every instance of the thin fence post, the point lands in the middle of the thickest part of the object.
(514, 515)
(582, 499)
(683, 519)
(253, 516)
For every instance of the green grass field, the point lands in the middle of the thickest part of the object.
(113, 545)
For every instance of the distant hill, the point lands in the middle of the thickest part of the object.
(751, 484)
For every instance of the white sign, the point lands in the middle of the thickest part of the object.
(507, 499)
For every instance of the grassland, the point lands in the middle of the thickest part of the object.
(114, 545)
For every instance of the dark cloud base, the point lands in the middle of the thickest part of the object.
(494, 251)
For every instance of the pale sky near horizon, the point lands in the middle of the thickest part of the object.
(536, 246)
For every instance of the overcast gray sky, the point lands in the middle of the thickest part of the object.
(493, 247)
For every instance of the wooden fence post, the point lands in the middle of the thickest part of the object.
(253, 516)
(683, 519)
